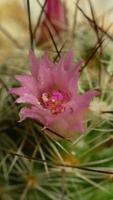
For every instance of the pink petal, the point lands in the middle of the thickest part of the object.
(59, 79)
(66, 61)
(31, 113)
(68, 72)
(24, 79)
(36, 113)
(29, 82)
(41, 69)
(74, 73)
(28, 98)
(19, 91)
(55, 11)
(84, 100)
(35, 64)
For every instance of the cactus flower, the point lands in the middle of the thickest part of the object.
(56, 12)
(51, 95)
(55, 18)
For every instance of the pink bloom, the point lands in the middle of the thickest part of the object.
(55, 19)
(52, 97)
(55, 11)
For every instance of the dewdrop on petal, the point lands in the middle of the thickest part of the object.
(51, 95)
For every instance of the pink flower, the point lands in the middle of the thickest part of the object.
(52, 97)
(55, 11)
(55, 19)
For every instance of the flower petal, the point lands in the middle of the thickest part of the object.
(55, 11)
(84, 100)
(74, 73)
(18, 91)
(66, 61)
(34, 113)
(31, 113)
(41, 69)
(28, 98)
(28, 82)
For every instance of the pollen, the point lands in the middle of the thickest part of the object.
(54, 101)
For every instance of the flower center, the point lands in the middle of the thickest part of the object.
(54, 101)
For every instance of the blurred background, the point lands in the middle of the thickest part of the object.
(14, 20)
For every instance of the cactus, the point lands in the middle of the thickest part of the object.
(36, 166)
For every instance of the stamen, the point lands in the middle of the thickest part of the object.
(54, 101)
